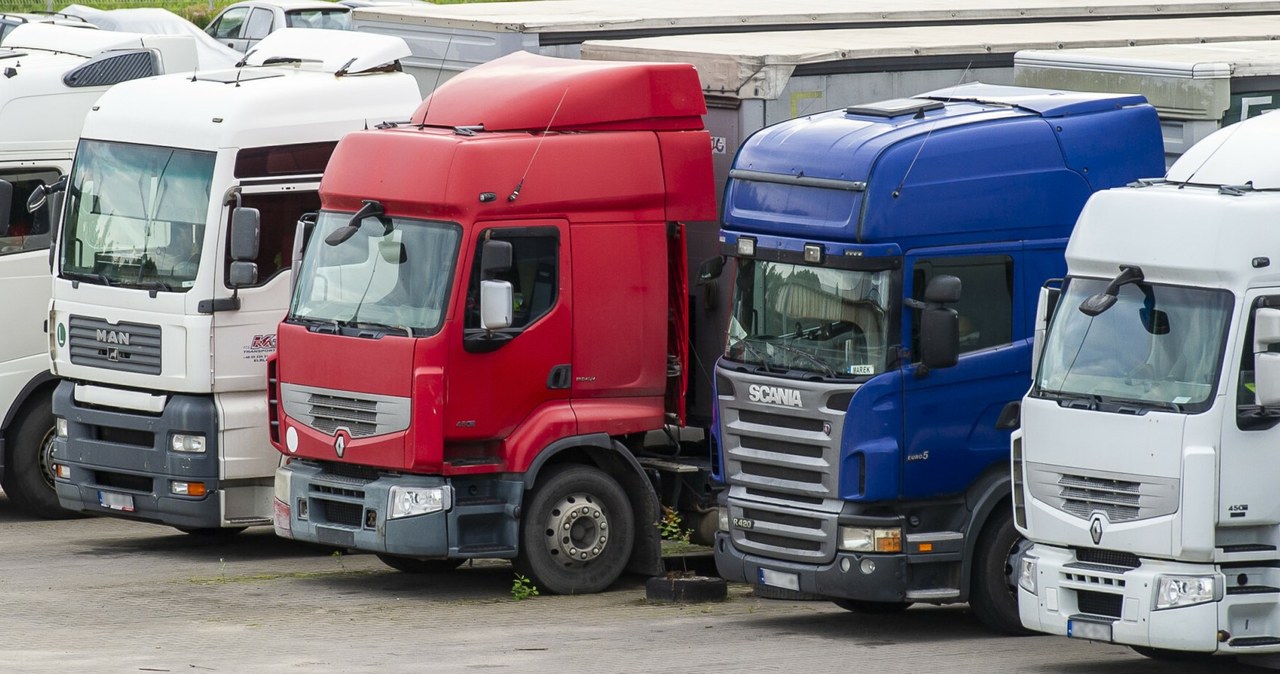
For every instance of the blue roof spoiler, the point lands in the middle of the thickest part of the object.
(1044, 102)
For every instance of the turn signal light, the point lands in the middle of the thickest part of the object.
(188, 488)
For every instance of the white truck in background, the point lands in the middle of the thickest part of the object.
(172, 270)
(1144, 469)
(50, 76)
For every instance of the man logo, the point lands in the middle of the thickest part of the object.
(112, 337)
(340, 441)
(1095, 528)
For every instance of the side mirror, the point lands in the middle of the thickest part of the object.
(6, 204)
(1155, 321)
(243, 274)
(940, 337)
(495, 303)
(495, 257)
(393, 252)
(1266, 364)
(301, 234)
(40, 195)
(710, 270)
(246, 227)
(1048, 303)
(944, 289)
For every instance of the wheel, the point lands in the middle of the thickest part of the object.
(872, 607)
(28, 478)
(994, 594)
(211, 532)
(577, 532)
(415, 565)
(1165, 655)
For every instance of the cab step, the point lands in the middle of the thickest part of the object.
(1253, 642)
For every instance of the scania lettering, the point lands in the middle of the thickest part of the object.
(173, 268)
(886, 257)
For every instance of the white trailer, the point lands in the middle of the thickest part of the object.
(1196, 88)
(50, 76)
(447, 39)
(1144, 466)
(752, 80)
(162, 321)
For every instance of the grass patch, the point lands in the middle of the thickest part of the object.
(266, 577)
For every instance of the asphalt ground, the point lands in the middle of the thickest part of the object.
(105, 595)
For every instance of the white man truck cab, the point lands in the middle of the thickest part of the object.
(172, 271)
(1144, 470)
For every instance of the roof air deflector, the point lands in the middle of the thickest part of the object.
(895, 107)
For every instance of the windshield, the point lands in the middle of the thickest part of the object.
(397, 280)
(135, 215)
(814, 319)
(1158, 346)
(338, 18)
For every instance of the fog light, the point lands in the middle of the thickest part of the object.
(182, 442)
(813, 253)
(722, 518)
(1179, 591)
(371, 519)
(868, 566)
(1027, 568)
(61, 426)
(746, 246)
(302, 509)
(62, 471)
(410, 501)
(187, 488)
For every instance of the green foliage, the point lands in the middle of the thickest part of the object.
(522, 588)
(670, 526)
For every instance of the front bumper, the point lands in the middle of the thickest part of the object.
(345, 509)
(884, 579)
(1070, 590)
(123, 457)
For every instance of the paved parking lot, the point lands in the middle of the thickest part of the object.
(100, 595)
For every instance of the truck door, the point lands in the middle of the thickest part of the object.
(243, 337)
(24, 280)
(491, 390)
(949, 415)
(1249, 440)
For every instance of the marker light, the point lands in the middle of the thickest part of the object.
(63, 471)
(722, 518)
(746, 246)
(61, 425)
(813, 253)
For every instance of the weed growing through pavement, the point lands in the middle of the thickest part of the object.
(522, 588)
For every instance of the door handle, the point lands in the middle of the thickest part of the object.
(561, 377)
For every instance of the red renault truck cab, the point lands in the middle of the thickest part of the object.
(489, 316)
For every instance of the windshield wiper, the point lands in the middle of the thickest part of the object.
(331, 323)
(368, 325)
(101, 279)
(157, 285)
(761, 359)
(1072, 400)
(831, 372)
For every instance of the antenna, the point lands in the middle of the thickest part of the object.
(516, 192)
(439, 69)
(241, 63)
(898, 190)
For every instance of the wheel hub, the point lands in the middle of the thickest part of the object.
(46, 458)
(577, 530)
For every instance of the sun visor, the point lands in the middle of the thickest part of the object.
(332, 49)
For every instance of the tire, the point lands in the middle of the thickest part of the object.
(28, 477)
(570, 507)
(994, 593)
(1165, 655)
(872, 607)
(415, 565)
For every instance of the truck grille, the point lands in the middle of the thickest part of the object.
(782, 466)
(1121, 497)
(128, 347)
(1099, 603)
(361, 414)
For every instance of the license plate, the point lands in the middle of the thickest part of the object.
(121, 502)
(789, 581)
(1085, 629)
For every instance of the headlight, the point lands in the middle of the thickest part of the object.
(61, 425)
(866, 539)
(180, 442)
(722, 518)
(1177, 591)
(1027, 567)
(410, 501)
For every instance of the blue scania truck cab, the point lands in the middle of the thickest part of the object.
(888, 261)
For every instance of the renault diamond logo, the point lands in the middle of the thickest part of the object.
(1095, 526)
(340, 442)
